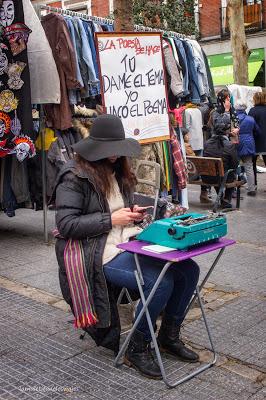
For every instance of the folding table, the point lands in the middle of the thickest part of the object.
(136, 247)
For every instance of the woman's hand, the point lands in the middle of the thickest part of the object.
(227, 104)
(235, 131)
(125, 216)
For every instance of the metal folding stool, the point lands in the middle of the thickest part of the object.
(135, 247)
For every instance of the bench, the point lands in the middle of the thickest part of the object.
(210, 166)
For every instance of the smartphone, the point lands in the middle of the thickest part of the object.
(143, 210)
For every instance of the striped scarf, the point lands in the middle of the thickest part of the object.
(78, 284)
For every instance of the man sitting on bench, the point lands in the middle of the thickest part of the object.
(220, 146)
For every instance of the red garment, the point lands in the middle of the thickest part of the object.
(59, 116)
(179, 163)
(178, 113)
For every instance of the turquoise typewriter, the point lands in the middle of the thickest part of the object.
(185, 231)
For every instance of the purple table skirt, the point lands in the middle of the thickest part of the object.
(135, 246)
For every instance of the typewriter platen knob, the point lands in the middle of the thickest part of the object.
(172, 231)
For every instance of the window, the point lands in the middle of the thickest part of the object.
(252, 16)
(251, 2)
(78, 6)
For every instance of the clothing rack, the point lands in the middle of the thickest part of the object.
(166, 33)
(70, 13)
(108, 21)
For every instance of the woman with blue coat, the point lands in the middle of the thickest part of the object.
(246, 147)
(258, 112)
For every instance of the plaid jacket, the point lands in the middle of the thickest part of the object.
(179, 163)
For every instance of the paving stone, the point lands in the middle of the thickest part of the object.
(229, 326)
(45, 281)
(71, 337)
(212, 296)
(48, 319)
(173, 394)
(236, 262)
(214, 305)
(194, 313)
(251, 351)
(41, 348)
(8, 396)
(21, 275)
(224, 378)
(211, 390)
(260, 395)
(257, 331)
(3, 291)
(230, 296)
(6, 264)
(239, 315)
(35, 361)
(79, 396)
(18, 336)
(62, 305)
(242, 370)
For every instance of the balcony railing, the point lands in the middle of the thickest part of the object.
(253, 18)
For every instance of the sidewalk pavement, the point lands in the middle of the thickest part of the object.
(42, 357)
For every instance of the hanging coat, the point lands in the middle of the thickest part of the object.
(55, 27)
(44, 78)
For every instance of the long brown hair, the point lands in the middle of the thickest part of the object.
(102, 171)
(259, 98)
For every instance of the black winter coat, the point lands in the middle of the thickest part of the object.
(82, 212)
(221, 147)
(259, 114)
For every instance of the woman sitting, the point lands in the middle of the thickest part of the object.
(93, 197)
(219, 146)
(225, 111)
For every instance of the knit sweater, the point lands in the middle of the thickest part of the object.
(118, 233)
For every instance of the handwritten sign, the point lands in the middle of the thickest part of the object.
(133, 83)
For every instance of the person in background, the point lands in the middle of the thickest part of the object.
(246, 147)
(189, 150)
(205, 109)
(220, 146)
(194, 124)
(225, 110)
(258, 112)
(94, 213)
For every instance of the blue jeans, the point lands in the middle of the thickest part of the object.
(173, 293)
(180, 47)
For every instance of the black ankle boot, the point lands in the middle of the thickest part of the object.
(139, 356)
(168, 340)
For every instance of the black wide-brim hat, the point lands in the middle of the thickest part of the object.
(107, 139)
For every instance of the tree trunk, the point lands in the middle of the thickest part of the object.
(123, 15)
(240, 51)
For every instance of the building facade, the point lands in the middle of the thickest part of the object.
(212, 17)
(99, 8)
